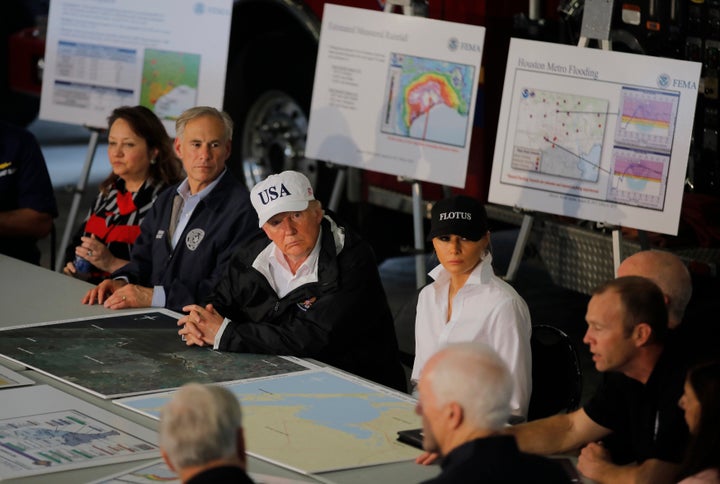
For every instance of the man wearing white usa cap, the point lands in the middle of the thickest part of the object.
(309, 287)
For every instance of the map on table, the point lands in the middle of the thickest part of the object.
(9, 378)
(44, 430)
(130, 354)
(315, 421)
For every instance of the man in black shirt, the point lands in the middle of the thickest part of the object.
(627, 326)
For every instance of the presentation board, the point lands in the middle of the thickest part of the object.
(100, 55)
(595, 134)
(395, 94)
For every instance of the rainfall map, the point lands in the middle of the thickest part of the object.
(315, 421)
(169, 82)
(643, 138)
(559, 134)
(428, 99)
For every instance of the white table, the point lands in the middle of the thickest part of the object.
(32, 294)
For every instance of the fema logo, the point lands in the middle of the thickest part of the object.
(199, 8)
(663, 80)
(453, 44)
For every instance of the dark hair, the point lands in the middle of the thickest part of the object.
(167, 167)
(703, 452)
(643, 302)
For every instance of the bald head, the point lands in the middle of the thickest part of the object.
(669, 273)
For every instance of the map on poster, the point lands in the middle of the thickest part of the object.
(395, 94)
(428, 99)
(594, 134)
(44, 430)
(315, 421)
(129, 354)
(100, 55)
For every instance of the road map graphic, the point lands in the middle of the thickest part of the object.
(55, 439)
(130, 354)
(559, 134)
(315, 421)
(428, 99)
(562, 135)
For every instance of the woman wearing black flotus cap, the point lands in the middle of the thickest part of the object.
(467, 301)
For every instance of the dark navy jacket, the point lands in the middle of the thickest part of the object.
(189, 272)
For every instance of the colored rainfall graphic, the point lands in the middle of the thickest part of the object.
(559, 134)
(428, 99)
(169, 82)
(130, 354)
(60, 438)
(638, 178)
(647, 119)
(316, 421)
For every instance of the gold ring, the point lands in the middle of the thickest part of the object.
(123, 298)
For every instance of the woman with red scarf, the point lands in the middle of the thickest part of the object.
(143, 164)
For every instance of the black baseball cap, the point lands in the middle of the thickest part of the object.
(458, 215)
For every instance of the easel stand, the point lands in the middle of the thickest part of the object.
(77, 197)
(597, 16)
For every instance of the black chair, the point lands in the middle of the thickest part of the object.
(556, 373)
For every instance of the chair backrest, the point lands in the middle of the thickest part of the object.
(556, 373)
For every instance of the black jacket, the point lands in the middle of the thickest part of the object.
(497, 460)
(343, 319)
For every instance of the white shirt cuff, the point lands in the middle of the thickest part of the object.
(218, 335)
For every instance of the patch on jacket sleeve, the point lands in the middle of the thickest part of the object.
(194, 237)
(307, 303)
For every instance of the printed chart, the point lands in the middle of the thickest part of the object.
(594, 134)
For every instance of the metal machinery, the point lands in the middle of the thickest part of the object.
(270, 71)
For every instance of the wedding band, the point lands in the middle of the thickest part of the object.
(123, 298)
(89, 253)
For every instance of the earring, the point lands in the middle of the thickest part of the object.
(152, 161)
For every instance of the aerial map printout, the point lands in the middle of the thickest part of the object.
(315, 421)
(100, 55)
(128, 354)
(395, 94)
(44, 430)
(594, 134)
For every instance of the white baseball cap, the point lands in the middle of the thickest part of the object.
(289, 191)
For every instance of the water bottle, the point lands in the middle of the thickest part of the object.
(81, 265)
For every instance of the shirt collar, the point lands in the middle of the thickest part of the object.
(184, 188)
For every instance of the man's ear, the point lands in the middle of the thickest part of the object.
(241, 448)
(456, 415)
(167, 460)
(642, 334)
(177, 145)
